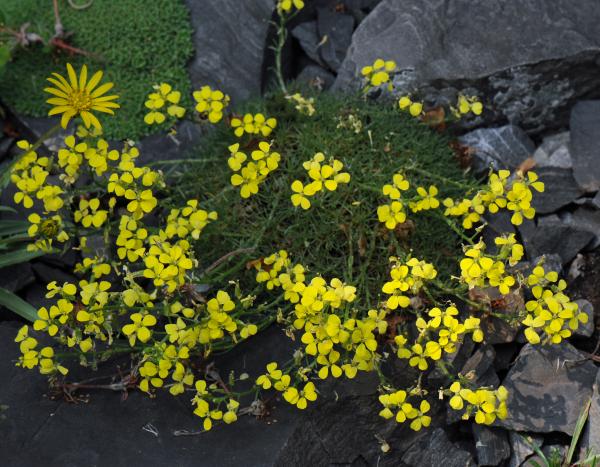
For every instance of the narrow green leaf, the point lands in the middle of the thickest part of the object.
(18, 256)
(577, 432)
(10, 227)
(17, 305)
(7, 209)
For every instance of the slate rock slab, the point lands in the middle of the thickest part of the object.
(335, 30)
(554, 152)
(38, 431)
(521, 447)
(498, 148)
(547, 387)
(230, 40)
(308, 36)
(435, 450)
(491, 444)
(585, 144)
(551, 235)
(591, 434)
(587, 219)
(531, 59)
(560, 189)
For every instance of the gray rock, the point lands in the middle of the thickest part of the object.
(560, 190)
(587, 329)
(478, 364)
(436, 449)
(521, 447)
(160, 147)
(510, 50)
(546, 387)
(230, 39)
(308, 36)
(554, 152)
(551, 235)
(56, 433)
(586, 219)
(16, 277)
(491, 445)
(316, 76)
(591, 434)
(335, 32)
(585, 144)
(498, 148)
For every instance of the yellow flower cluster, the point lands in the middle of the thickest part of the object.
(210, 103)
(44, 231)
(502, 192)
(303, 105)
(378, 73)
(43, 358)
(442, 332)
(189, 221)
(406, 278)
(551, 312)
(485, 404)
(163, 96)
(397, 402)
(256, 124)
(249, 174)
(323, 176)
(467, 105)
(89, 213)
(287, 5)
(414, 108)
(481, 270)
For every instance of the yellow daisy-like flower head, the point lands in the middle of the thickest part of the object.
(78, 96)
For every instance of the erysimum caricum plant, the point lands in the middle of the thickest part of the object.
(152, 291)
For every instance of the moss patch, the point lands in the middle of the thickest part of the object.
(340, 234)
(136, 42)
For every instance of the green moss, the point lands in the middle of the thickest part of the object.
(340, 235)
(136, 42)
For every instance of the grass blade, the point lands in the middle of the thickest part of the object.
(17, 305)
(18, 256)
(577, 432)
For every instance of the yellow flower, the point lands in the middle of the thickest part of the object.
(253, 124)
(301, 194)
(286, 5)
(78, 96)
(89, 214)
(378, 73)
(139, 328)
(163, 95)
(210, 103)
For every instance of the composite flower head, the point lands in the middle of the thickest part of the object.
(80, 96)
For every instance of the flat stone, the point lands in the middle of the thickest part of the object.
(585, 144)
(510, 52)
(161, 147)
(587, 219)
(551, 235)
(587, 329)
(491, 444)
(546, 387)
(308, 36)
(435, 450)
(335, 33)
(591, 433)
(503, 147)
(316, 77)
(521, 447)
(54, 433)
(560, 190)
(554, 152)
(230, 40)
